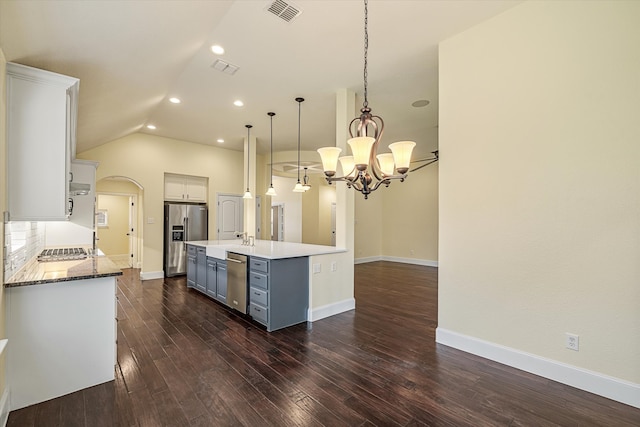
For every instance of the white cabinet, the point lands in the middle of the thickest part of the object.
(41, 122)
(84, 172)
(61, 338)
(185, 188)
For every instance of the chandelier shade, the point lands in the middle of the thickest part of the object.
(329, 156)
(402, 154)
(385, 160)
(348, 166)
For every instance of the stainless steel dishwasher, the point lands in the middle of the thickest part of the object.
(237, 282)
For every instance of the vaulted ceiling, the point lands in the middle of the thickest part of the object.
(132, 56)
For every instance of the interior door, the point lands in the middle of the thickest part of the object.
(230, 216)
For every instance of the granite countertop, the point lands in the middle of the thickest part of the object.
(264, 248)
(37, 273)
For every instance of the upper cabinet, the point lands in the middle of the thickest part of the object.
(41, 129)
(185, 188)
(83, 173)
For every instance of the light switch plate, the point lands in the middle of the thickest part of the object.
(317, 268)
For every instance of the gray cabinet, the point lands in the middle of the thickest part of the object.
(191, 266)
(278, 291)
(217, 279)
(206, 274)
(221, 275)
(201, 269)
(212, 278)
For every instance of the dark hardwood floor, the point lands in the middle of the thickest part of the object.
(184, 360)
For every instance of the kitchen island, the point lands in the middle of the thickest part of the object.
(277, 279)
(61, 328)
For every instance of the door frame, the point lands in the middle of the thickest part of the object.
(134, 212)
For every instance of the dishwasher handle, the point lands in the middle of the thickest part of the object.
(236, 261)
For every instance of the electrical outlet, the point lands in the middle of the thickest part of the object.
(572, 341)
(334, 266)
(317, 268)
(411, 252)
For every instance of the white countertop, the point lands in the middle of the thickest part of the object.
(264, 249)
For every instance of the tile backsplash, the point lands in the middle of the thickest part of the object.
(23, 240)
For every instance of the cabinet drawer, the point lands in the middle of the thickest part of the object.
(191, 250)
(259, 296)
(258, 280)
(259, 265)
(201, 250)
(259, 313)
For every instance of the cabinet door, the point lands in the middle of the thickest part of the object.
(196, 189)
(222, 281)
(201, 270)
(84, 172)
(174, 187)
(212, 279)
(38, 143)
(191, 271)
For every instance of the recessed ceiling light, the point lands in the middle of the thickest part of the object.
(152, 127)
(217, 49)
(420, 103)
(221, 140)
(238, 103)
(174, 100)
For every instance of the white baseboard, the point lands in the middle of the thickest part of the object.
(603, 385)
(149, 275)
(4, 407)
(330, 309)
(367, 259)
(415, 261)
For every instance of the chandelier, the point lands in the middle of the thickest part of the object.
(365, 132)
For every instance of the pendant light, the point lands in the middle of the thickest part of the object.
(247, 194)
(365, 132)
(298, 188)
(305, 182)
(271, 191)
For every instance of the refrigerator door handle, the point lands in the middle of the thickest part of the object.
(185, 221)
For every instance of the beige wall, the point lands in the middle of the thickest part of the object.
(113, 238)
(410, 216)
(3, 200)
(316, 211)
(400, 221)
(145, 158)
(540, 183)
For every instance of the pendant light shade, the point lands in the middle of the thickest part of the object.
(247, 194)
(299, 188)
(271, 191)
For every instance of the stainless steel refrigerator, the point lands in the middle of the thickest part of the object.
(182, 223)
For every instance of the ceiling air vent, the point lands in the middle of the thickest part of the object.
(283, 10)
(225, 67)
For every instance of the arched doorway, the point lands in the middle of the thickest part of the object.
(119, 225)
